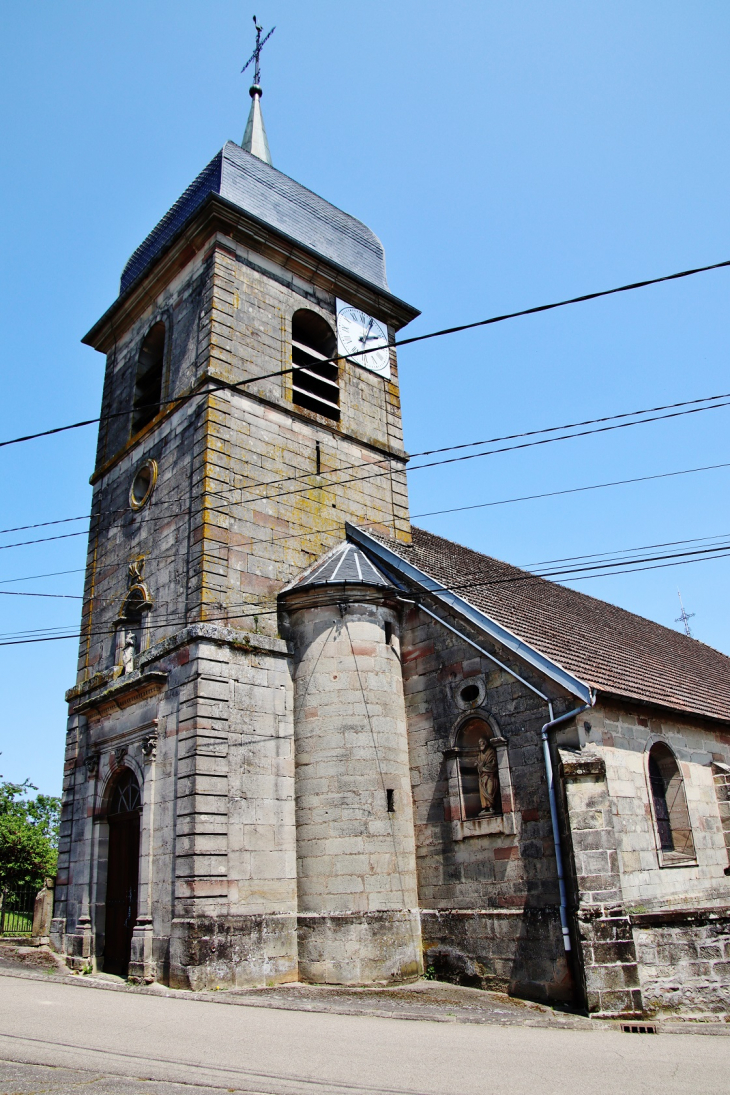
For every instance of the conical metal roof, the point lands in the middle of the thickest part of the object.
(347, 564)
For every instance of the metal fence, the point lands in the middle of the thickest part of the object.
(16, 913)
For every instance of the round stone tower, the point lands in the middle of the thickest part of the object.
(358, 918)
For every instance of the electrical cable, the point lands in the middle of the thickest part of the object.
(33, 577)
(428, 452)
(578, 573)
(569, 490)
(401, 342)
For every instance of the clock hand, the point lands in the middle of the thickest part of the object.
(366, 337)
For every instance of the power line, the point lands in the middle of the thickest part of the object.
(626, 551)
(578, 573)
(569, 490)
(488, 441)
(51, 574)
(272, 612)
(396, 343)
(382, 472)
(427, 452)
(63, 596)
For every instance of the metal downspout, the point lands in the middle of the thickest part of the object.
(554, 811)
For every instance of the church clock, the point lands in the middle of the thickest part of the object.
(357, 331)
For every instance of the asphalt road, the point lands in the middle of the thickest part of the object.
(118, 1043)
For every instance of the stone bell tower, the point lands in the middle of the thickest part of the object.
(235, 443)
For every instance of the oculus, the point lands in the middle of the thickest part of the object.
(143, 484)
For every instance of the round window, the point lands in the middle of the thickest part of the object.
(143, 484)
(470, 693)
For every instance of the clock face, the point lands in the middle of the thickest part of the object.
(357, 331)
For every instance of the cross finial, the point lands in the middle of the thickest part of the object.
(685, 617)
(256, 56)
(254, 139)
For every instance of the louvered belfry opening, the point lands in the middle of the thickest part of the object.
(670, 804)
(314, 378)
(148, 381)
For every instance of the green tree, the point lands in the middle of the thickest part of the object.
(28, 836)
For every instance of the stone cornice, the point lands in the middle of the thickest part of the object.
(98, 688)
(123, 692)
(216, 214)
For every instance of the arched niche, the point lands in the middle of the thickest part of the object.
(480, 798)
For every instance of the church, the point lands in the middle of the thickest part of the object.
(309, 741)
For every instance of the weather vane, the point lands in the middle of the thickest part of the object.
(256, 55)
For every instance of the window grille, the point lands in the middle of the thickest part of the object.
(125, 797)
(670, 804)
(148, 381)
(314, 379)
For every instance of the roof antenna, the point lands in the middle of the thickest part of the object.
(685, 617)
(254, 137)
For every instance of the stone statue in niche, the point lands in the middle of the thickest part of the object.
(130, 647)
(488, 776)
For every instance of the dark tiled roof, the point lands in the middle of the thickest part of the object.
(346, 564)
(278, 201)
(607, 647)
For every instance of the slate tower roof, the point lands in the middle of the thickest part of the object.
(278, 202)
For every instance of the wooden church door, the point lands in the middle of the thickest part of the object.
(122, 873)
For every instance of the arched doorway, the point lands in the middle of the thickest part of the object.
(122, 872)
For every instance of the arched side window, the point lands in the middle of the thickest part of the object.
(148, 379)
(314, 379)
(478, 770)
(670, 805)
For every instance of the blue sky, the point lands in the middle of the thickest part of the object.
(506, 154)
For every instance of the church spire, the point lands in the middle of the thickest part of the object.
(254, 137)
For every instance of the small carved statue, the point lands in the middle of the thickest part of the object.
(130, 647)
(92, 765)
(149, 746)
(488, 776)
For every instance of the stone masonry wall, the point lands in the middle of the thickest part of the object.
(469, 881)
(623, 738)
(605, 951)
(651, 929)
(238, 508)
(217, 841)
(684, 962)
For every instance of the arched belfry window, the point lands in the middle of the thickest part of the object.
(670, 805)
(148, 379)
(314, 378)
(478, 770)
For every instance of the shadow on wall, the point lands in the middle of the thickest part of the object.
(510, 939)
